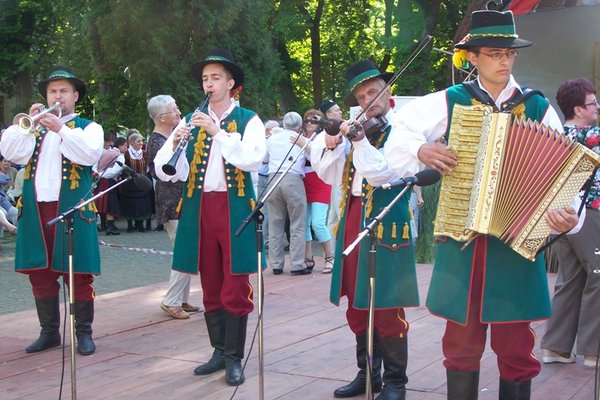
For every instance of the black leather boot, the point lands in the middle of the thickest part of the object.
(462, 385)
(515, 390)
(139, 225)
(395, 357)
(111, 229)
(129, 226)
(148, 224)
(49, 315)
(235, 341)
(358, 385)
(84, 316)
(103, 224)
(215, 323)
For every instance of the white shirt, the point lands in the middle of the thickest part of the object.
(425, 120)
(246, 153)
(369, 162)
(81, 146)
(281, 152)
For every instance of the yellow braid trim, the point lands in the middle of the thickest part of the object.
(232, 126)
(394, 231)
(196, 160)
(380, 231)
(179, 204)
(74, 176)
(405, 234)
(369, 205)
(27, 174)
(345, 190)
(239, 178)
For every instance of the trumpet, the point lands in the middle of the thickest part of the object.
(169, 168)
(25, 123)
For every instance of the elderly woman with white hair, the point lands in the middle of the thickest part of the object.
(166, 115)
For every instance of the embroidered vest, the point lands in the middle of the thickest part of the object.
(396, 284)
(508, 276)
(240, 194)
(75, 187)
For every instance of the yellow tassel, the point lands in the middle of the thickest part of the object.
(379, 231)
(27, 174)
(74, 177)
(232, 126)
(405, 234)
(239, 178)
(394, 231)
(410, 213)
(178, 209)
(92, 207)
(20, 202)
(252, 204)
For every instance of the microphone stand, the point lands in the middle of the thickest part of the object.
(67, 217)
(258, 217)
(371, 264)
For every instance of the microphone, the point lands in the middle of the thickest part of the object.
(423, 178)
(141, 181)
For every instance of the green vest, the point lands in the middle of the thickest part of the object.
(31, 250)
(240, 194)
(514, 289)
(395, 277)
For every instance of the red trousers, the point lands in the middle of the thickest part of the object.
(512, 342)
(222, 289)
(390, 323)
(44, 282)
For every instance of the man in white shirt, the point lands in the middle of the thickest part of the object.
(288, 198)
(58, 163)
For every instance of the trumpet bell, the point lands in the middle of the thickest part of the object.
(26, 123)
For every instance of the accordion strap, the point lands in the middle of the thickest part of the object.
(474, 90)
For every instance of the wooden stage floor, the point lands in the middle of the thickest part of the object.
(308, 351)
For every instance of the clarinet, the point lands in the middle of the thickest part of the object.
(169, 168)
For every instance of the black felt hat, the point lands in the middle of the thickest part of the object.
(360, 73)
(224, 58)
(492, 29)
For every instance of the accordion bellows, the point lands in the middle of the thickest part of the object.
(510, 172)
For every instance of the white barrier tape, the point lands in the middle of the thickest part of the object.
(140, 249)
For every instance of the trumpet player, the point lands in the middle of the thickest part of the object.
(227, 143)
(58, 154)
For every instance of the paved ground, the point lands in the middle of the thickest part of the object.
(133, 260)
(121, 268)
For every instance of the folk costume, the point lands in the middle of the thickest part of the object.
(359, 169)
(486, 283)
(58, 169)
(217, 195)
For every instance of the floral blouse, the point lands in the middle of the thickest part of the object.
(590, 138)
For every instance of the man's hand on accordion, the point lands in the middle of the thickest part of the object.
(562, 220)
(437, 156)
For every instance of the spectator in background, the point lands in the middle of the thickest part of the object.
(263, 180)
(136, 204)
(333, 111)
(318, 195)
(577, 286)
(166, 115)
(109, 170)
(289, 197)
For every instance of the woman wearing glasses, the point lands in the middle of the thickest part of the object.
(577, 287)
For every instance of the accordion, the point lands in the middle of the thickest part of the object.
(509, 173)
